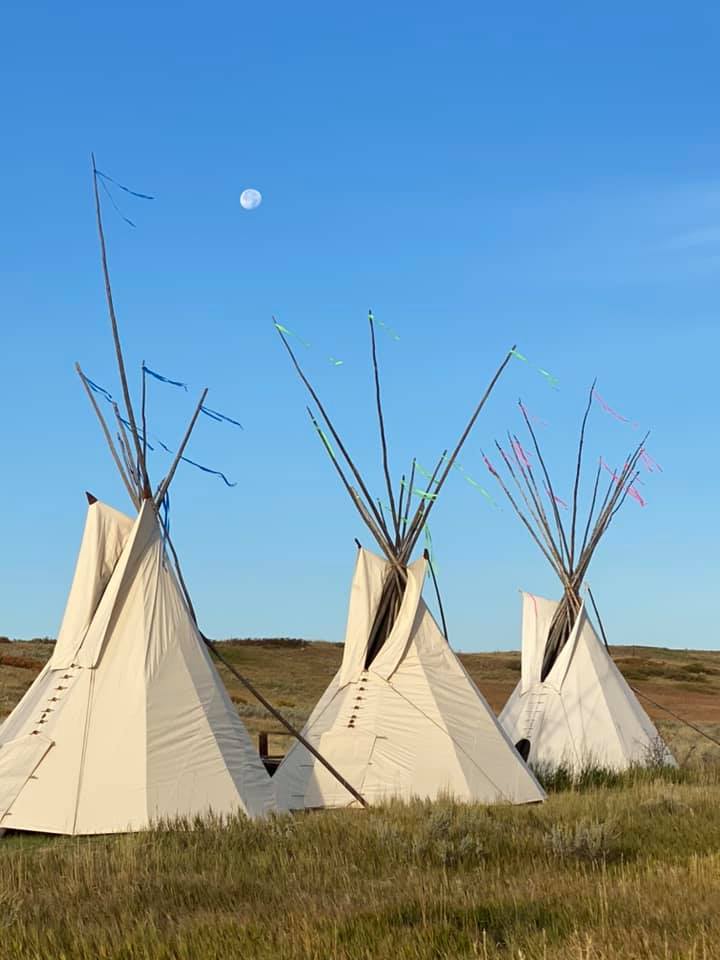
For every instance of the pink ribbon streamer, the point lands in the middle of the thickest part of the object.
(635, 495)
(631, 489)
(613, 413)
(531, 417)
(558, 500)
(490, 467)
(612, 473)
(650, 465)
(520, 454)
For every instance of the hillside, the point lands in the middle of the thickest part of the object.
(294, 673)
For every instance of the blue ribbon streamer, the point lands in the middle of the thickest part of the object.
(159, 376)
(215, 415)
(208, 411)
(108, 396)
(139, 433)
(165, 507)
(216, 473)
(133, 193)
(119, 212)
(98, 389)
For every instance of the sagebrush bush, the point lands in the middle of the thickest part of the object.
(591, 840)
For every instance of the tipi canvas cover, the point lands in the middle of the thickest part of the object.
(583, 713)
(409, 724)
(129, 722)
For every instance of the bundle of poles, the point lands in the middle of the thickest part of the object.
(568, 553)
(394, 527)
(130, 456)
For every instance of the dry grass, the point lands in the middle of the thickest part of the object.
(619, 867)
(627, 872)
(294, 673)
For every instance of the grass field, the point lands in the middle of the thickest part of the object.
(622, 867)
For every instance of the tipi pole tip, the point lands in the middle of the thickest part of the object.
(108, 438)
(428, 560)
(90, 498)
(357, 543)
(142, 466)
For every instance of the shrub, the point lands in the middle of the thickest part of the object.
(595, 841)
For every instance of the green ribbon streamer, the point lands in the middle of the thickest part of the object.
(478, 486)
(482, 490)
(420, 493)
(472, 482)
(388, 330)
(423, 472)
(328, 445)
(289, 333)
(552, 381)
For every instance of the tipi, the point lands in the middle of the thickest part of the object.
(572, 707)
(129, 721)
(401, 718)
(583, 713)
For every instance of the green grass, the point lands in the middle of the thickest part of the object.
(611, 866)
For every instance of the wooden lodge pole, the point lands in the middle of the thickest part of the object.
(116, 337)
(162, 490)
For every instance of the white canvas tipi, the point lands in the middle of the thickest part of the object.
(409, 723)
(401, 718)
(583, 713)
(572, 707)
(129, 722)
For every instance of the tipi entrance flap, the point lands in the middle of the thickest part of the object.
(351, 754)
(104, 538)
(365, 594)
(392, 652)
(144, 532)
(559, 670)
(537, 615)
(18, 761)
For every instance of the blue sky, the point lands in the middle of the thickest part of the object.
(542, 175)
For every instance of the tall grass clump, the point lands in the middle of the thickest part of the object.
(559, 778)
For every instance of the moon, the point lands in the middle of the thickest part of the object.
(250, 199)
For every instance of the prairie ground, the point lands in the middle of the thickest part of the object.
(618, 867)
(294, 673)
